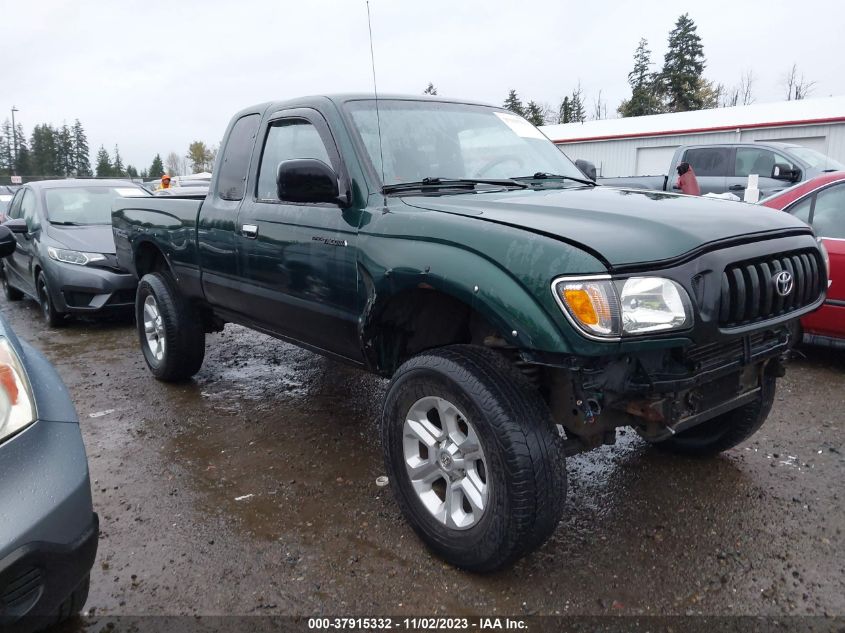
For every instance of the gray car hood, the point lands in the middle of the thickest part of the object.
(96, 238)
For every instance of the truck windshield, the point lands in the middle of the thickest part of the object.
(817, 160)
(77, 206)
(431, 139)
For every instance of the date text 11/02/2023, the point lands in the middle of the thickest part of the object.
(415, 624)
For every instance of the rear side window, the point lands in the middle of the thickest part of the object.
(289, 139)
(231, 181)
(709, 161)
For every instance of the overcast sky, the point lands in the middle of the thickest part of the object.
(153, 76)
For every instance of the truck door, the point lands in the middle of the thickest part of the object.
(711, 166)
(760, 161)
(298, 260)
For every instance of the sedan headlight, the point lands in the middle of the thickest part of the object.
(610, 308)
(17, 409)
(74, 257)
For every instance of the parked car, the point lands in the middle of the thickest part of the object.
(65, 258)
(6, 194)
(508, 298)
(820, 202)
(48, 527)
(725, 168)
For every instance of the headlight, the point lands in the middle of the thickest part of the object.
(74, 257)
(608, 308)
(17, 410)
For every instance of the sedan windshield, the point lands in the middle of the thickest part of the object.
(85, 205)
(429, 139)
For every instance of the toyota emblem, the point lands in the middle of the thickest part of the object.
(783, 282)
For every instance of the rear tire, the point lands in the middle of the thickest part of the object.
(725, 431)
(505, 498)
(169, 329)
(12, 294)
(53, 317)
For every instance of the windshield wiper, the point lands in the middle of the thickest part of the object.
(60, 223)
(542, 175)
(456, 183)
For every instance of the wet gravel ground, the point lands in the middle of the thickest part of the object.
(251, 490)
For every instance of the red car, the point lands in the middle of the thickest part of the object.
(820, 202)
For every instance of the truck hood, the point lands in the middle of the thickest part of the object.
(95, 238)
(623, 226)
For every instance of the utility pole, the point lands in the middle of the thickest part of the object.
(14, 143)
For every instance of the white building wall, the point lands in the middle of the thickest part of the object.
(635, 156)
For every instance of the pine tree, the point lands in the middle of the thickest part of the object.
(644, 85)
(66, 155)
(157, 168)
(430, 89)
(513, 104)
(44, 149)
(579, 114)
(22, 164)
(143, 175)
(117, 164)
(683, 68)
(6, 155)
(564, 113)
(81, 162)
(104, 167)
(534, 113)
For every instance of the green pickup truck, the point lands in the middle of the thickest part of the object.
(521, 312)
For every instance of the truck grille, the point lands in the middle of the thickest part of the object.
(750, 293)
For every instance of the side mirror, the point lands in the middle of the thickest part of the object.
(587, 168)
(307, 180)
(782, 171)
(8, 244)
(16, 225)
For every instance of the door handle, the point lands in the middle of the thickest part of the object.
(736, 187)
(249, 231)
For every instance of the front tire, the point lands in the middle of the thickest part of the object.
(474, 459)
(53, 317)
(725, 431)
(169, 329)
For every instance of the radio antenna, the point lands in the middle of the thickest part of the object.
(375, 92)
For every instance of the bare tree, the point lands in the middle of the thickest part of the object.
(173, 164)
(740, 94)
(797, 85)
(599, 108)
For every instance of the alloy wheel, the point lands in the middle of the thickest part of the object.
(445, 462)
(154, 328)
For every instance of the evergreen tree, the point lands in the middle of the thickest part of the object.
(579, 114)
(144, 175)
(430, 89)
(683, 68)
(644, 84)
(200, 156)
(44, 158)
(6, 155)
(131, 171)
(564, 113)
(65, 152)
(81, 162)
(513, 104)
(534, 113)
(22, 164)
(104, 167)
(157, 168)
(117, 165)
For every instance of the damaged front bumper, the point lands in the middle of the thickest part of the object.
(663, 392)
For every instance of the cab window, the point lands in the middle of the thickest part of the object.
(287, 140)
(709, 161)
(231, 181)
